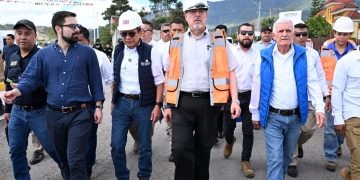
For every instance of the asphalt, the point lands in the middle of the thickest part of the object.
(310, 167)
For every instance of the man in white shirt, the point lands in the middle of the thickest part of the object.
(147, 33)
(246, 56)
(345, 102)
(107, 79)
(200, 75)
(137, 96)
(313, 59)
(281, 106)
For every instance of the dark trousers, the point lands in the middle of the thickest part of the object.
(91, 149)
(194, 124)
(220, 123)
(247, 127)
(7, 132)
(70, 134)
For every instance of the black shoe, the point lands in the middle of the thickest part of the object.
(220, 135)
(171, 158)
(300, 152)
(38, 156)
(292, 171)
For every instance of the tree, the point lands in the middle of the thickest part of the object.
(162, 7)
(316, 6)
(268, 21)
(116, 8)
(318, 26)
(105, 34)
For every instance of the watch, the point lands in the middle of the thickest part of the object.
(99, 106)
(160, 104)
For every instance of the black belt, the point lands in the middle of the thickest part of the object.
(131, 96)
(29, 108)
(244, 94)
(196, 94)
(284, 112)
(68, 109)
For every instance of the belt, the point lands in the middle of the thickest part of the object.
(29, 108)
(196, 94)
(68, 109)
(284, 112)
(244, 94)
(131, 96)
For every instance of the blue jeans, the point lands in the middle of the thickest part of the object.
(125, 111)
(21, 122)
(332, 141)
(281, 136)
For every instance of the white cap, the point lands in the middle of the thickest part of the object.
(195, 4)
(344, 24)
(129, 20)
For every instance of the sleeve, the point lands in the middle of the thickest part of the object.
(107, 71)
(156, 67)
(95, 82)
(231, 57)
(314, 89)
(321, 74)
(339, 84)
(255, 91)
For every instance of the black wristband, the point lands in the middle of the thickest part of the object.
(99, 106)
(160, 104)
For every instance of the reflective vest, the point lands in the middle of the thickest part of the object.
(218, 70)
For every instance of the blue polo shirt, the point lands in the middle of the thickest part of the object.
(68, 79)
(349, 47)
(8, 51)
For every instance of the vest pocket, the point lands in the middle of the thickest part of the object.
(221, 84)
(172, 85)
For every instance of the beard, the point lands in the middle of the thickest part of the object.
(246, 44)
(71, 40)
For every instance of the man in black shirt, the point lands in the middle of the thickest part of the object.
(28, 112)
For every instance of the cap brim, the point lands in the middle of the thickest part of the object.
(21, 24)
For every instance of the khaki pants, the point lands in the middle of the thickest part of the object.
(352, 136)
(36, 143)
(307, 131)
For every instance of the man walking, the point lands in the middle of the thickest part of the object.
(200, 75)
(137, 96)
(71, 76)
(28, 112)
(246, 58)
(284, 78)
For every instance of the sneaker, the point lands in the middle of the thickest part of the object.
(300, 152)
(228, 148)
(345, 174)
(135, 148)
(292, 171)
(37, 157)
(330, 166)
(246, 169)
(339, 151)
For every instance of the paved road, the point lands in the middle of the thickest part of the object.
(310, 166)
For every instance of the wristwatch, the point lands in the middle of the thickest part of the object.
(160, 104)
(99, 106)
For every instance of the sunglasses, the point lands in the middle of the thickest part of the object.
(166, 30)
(250, 33)
(342, 34)
(130, 33)
(298, 34)
(72, 26)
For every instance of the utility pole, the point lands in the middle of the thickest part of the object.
(257, 27)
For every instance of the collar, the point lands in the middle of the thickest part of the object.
(190, 34)
(349, 46)
(55, 45)
(29, 54)
(290, 52)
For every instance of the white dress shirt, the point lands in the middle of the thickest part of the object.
(284, 92)
(196, 61)
(106, 69)
(245, 69)
(162, 54)
(313, 59)
(345, 98)
(129, 81)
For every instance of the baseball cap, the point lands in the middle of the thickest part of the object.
(266, 28)
(24, 22)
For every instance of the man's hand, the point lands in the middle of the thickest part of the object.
(7, 117)
(167, 115)
(340, 129)
(235, 110)
(328, 104)
(320, 119)
(155, 114)
(256, 124)
(10, 96)
(13, 85)
(98, 116)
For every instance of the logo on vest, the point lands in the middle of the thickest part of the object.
(146, 63)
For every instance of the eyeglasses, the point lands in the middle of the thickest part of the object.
(298, 34)
(166, 30)
(72, 26)
(342, 34)
(130, 33)
(249, 33)
(146, 30)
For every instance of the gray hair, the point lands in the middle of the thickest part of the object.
(282, 21)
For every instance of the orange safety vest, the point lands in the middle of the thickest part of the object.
(218, 70)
